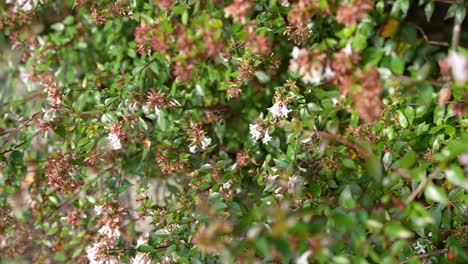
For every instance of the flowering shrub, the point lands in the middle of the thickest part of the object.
(233, 131)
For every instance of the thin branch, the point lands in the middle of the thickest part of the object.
(456, 33)
(428, 255)
(421, 186)
(450, 2)
(364, 153)
(424, 35)
(402, 172)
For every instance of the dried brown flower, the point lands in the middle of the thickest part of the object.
(60, 173)
(238, 10)
(351, 13)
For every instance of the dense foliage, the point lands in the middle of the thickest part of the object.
(183, 131)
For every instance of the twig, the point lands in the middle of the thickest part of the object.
(456, 33)
(413, 80)
(364, 153)
(450, 2)
(421, 186)
(429, 254)
(433, 42)
(401, 171)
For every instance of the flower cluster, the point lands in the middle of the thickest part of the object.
(353, 11)
(239, 10)
(61, 173)
(312, 66)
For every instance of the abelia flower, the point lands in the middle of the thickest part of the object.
(279, 109)
(266, 138)
(114, 141)
(205, 143)
(110, 232)
(459, 65)
(255, 131)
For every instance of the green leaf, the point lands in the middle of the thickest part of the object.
(146, 249)
(397, 65)
(346, 198)
(162, 121)
(455, 175)
(262, 76)
(348, 163)
(429, 10)
(396, 230)
(409, 114)
(435, 194)
(124, 185)
(58, 27)
(402, 120)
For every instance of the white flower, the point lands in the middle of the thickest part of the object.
(295, 52)
(420, 248)
(314, 76)
(329, 73)
(348, 50)
(284, 110)
(266, 138)
(114, 141)
(227, 185)
(99, 209)
(141, 258)
(279, 109)
(255, 131)
(205, 143)
(92, 252)
(157, 111)
(302, 259)
(145, 109)
(272, 178)
(384, 73)
(294, 183)
(133, 107)
(25, 5)
(285, 3)
(106, 230)
(140, 241)
(459, 64)
(193, 148)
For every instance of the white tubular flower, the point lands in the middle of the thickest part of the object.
(315, 76)
(266, 138)
(302, 259)
(133, 107)
(92, 254)
(157, 111)
(284, 110)
(294, 183)
(145, 109)
(459, 64)
(106, 230)
(141, 258)
(255, 131)
(193, 148)
(279, 110)
(99, 209)
(227, 185)
(329, 73)
(114, 141)
(205, 143)
(348, 49)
